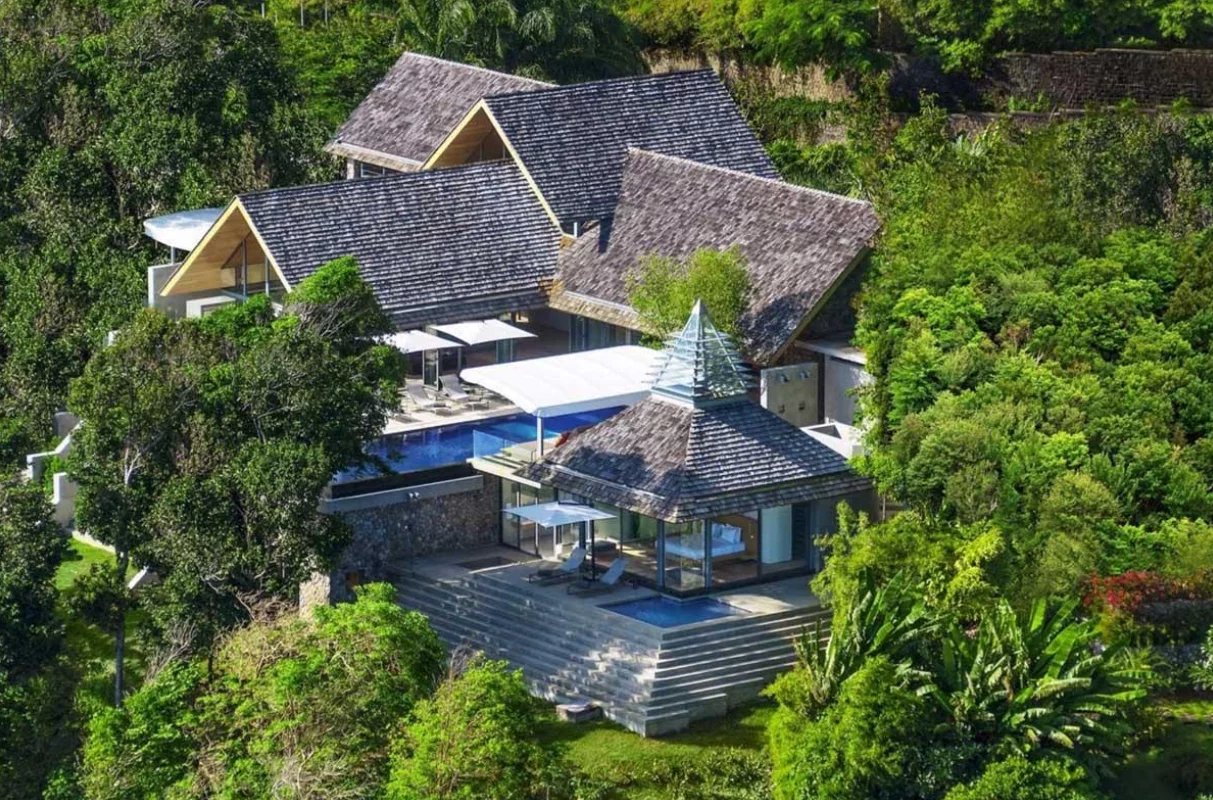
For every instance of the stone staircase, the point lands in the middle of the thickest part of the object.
(650, 680)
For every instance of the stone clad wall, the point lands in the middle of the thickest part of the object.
(1106, 77)
(1065, 80)
(427, 522)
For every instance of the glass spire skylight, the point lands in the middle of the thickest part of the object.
(700, 363)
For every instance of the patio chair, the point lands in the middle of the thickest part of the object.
(608, 582)
(565, 572)
(453, 389)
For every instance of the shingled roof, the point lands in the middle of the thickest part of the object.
(572, 139)
(435, 246)
(798, 243)
(698, 446)
(414, 107)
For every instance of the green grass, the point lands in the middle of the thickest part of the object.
(633, 767)
(80, 557)
(1178, 765)
(90, 648)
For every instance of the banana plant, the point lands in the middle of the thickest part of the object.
(1042, 680)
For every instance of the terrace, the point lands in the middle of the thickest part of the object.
(653, 663)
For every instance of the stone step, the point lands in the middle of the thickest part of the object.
(648, 679)
(598, 647)
(622, 678)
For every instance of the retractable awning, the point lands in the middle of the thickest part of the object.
(482, 332)
(182, 230)
(418, 341)
(571, 383)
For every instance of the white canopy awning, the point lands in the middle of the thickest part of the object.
(183, 230)
(555, 514)
(488, 330)
(571, 383)
(417, 341)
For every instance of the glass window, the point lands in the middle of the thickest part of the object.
(735, 547)
(638, 542)
(685, 556)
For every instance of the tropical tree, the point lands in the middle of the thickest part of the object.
(476, 738)
(663, 290)
(883, 620)
(136, 397)
(285, 705)
(34, 695)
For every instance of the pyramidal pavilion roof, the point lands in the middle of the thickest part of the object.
(698, 446)
(700, 364)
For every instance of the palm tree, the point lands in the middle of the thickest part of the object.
(462, 30)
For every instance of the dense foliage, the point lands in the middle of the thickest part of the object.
(477, 737)
(286, 706)
(908, 702)
(848, 36)
(1036, 321)
(1038, 337)
(110, 114)
(207, 444)
(31, 639)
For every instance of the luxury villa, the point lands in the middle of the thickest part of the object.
(498, 220)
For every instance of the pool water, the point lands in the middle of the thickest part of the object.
(665, 612)
(454, 444)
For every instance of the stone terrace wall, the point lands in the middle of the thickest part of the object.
(1106, 77)
(1065, 80)
(416, 527)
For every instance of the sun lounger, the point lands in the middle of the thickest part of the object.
(417, 394)
(453, 389)
(609, 580)
(565, 572)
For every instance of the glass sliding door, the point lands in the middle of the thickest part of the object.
(735, 545)
(687, 556)
(638, 543)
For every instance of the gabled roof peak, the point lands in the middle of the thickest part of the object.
(701, 364)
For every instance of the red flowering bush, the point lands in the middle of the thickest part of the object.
(1125, 593)
(1150, 607)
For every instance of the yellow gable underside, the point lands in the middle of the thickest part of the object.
(218, 262)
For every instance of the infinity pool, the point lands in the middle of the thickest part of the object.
(665, 612)
(454, 444)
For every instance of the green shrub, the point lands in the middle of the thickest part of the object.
(1052, 777)
(476, 739)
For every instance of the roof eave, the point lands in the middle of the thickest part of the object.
(371, 156)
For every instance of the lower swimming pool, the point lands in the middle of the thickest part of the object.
(454, 444)
(665, 612)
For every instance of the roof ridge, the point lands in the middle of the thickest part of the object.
(452, 62)
(607, 81)
(777, 181)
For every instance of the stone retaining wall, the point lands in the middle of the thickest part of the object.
(465, 515)
(1059, 80)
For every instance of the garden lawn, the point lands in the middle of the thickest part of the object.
(724, 753)
(90, 648)
(80, 557)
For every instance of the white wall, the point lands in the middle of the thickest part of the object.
(791, 392)
(841, 378)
